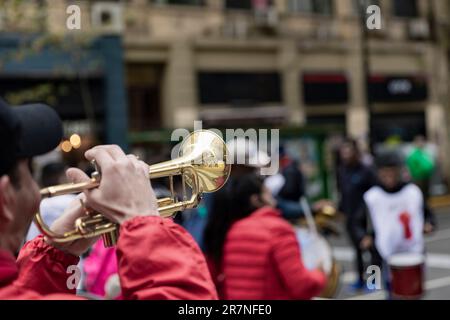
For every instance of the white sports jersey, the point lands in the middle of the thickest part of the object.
(397, 219)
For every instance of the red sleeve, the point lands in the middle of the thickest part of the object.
(158, 259)
(43, 268)
(299, 281)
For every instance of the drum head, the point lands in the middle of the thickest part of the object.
(315, 250)
(406, 259)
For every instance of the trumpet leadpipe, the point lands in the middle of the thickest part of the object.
(69, 188)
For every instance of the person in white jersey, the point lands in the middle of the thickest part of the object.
(396, 212)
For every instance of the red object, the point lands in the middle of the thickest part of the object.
(407, 277)
(157, 260)
(377, 78)
(285, 161)
(262, 261)
(405, 219)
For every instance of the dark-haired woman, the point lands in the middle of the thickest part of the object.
(252, 252)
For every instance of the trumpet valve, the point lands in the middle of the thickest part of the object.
(89, 223)
(110, 238)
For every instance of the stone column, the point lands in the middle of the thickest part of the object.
(357, 114)
(180, 87)
(291, 86)
(344, 8)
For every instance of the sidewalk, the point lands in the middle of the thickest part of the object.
(440, 202)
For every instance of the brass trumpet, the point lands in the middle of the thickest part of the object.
(202, 165)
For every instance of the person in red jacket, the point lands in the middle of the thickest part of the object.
(253, 253)
(157, 259)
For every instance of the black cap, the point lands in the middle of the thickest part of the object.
(27, 131)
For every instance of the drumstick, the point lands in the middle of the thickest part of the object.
(308, 215)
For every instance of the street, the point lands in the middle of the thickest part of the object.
(437, 282)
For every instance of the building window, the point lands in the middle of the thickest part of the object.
(316, 84)
(405, 126)
(311, 6)
(180, 2)
(405, 8)
(397, 88)
(238, 4)
(239, 88)
(144, 96)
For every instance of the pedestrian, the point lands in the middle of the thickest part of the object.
(245, 157)
(354, 179)
(253, 252)
(288, 186)
(396, 213)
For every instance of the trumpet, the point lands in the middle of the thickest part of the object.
(202, 165)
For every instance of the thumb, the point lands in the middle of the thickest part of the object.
(76, 175)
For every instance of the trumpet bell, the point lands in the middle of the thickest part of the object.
(207, 154)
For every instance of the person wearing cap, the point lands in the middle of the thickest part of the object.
(156, 258)
(245, 157)
(396, 214)
(252, 251)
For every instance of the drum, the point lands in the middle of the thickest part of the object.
(407, 275)
(315, 250)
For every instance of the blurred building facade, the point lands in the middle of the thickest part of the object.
(287, 62)
(279, 62)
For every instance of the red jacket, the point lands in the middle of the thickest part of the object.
(157, 260)
(261, 260)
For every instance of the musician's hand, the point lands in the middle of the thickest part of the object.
(125, 191)
(66, 222)
(428, 228)
(366, 243)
